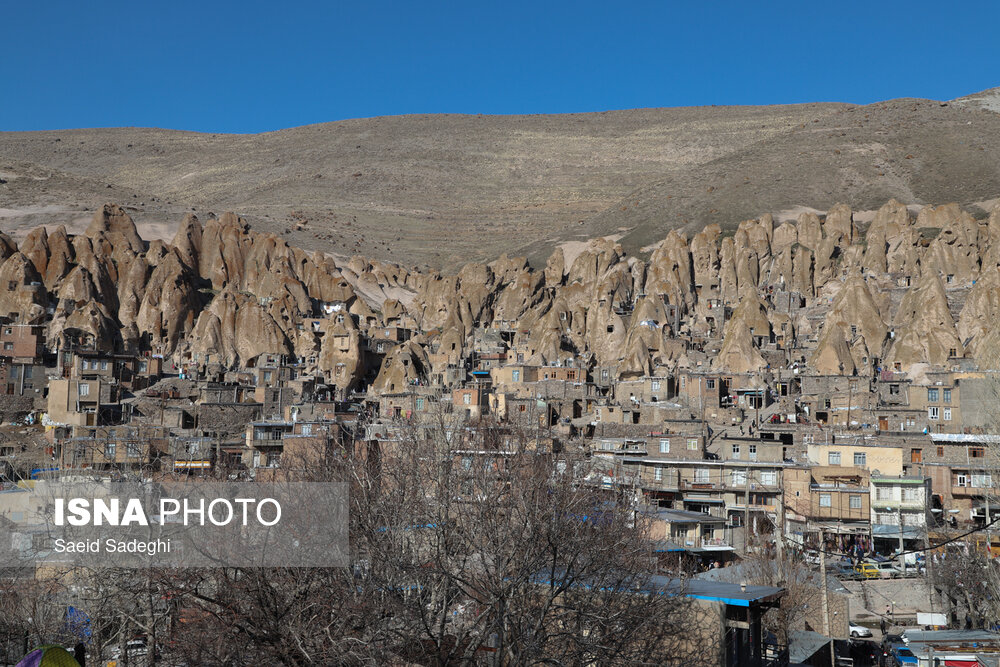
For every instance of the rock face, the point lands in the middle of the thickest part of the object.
(220, 292)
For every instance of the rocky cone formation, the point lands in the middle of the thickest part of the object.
(909, 290)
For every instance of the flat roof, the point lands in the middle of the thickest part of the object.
(685, 516)
(707, 462)
(736, 595)
(929, 636)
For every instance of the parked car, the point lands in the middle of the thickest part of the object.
(886, 570)
(844, 571)
(904, 656)
(868, 571)
(911, 570)
(859, 631)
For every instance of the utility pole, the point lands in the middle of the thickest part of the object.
(899, 514)
(850, 400)
(826, 601)
(746, 510)
(781, 527)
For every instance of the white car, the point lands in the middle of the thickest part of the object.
(860, 631)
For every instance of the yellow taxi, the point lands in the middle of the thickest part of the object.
(867, 570)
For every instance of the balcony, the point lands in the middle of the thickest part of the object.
(687, 485)
(969, 491)
(715, 544)
(754, 507)
(899, 504)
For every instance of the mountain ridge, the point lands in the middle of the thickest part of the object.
(441, 190)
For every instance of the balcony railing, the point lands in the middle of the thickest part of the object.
(900, 504)
(714, 542)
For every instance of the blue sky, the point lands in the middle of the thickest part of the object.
(254, 66)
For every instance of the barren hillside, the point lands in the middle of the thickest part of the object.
(443, 190)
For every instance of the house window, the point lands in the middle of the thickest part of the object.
(132, 450)
(104, 365)
(736, 451)
(981, 480)
(420, 404)
(883, 493)
(109, 450)
(932, 395)
(604, 373)
(940, 451)
(885, 518)
(84, 390)
(701, 476)
(655, 385)
(961, 480)
(307, 429)
(916, 455)
(658, 474)
(933, 413)
(860, 459)
(769, 478)
(910, 494)
(952, 351)
(825, 500)
(946, 414)
(977, 452)
(855, 502)
(664, 446)
(692, 444)
(523, 408)
(467, 399)
(739, 478)
(833, 458)
(8, 346)
(710, 383)
(946, 395)
(893, 389)
(752, 452)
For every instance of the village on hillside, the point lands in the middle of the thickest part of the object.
(823, 392)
